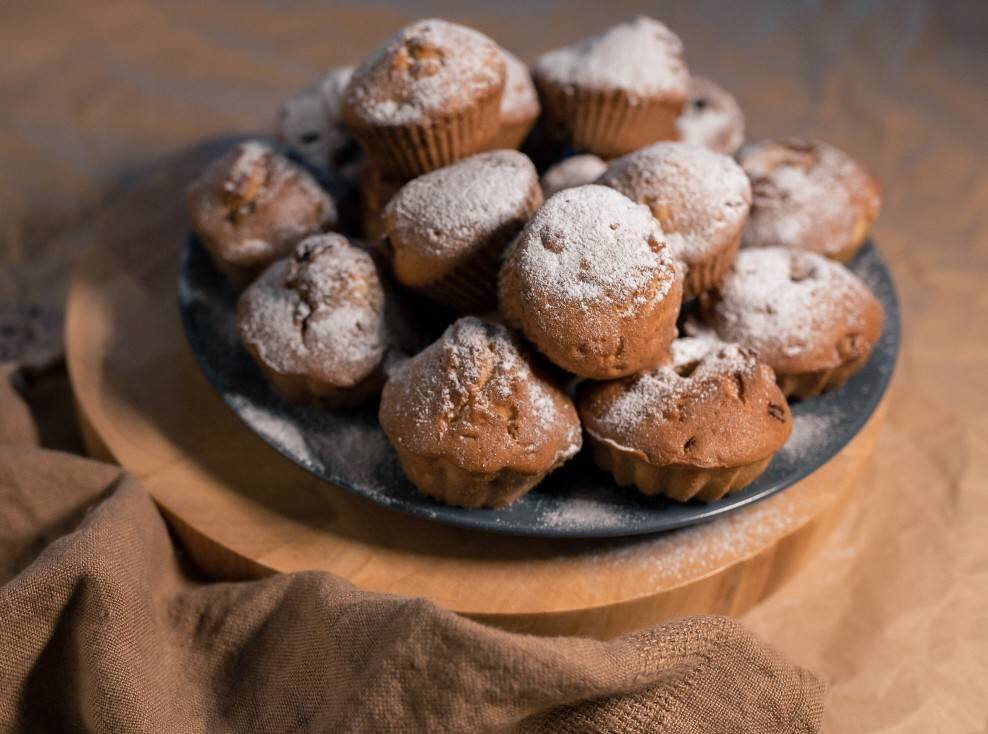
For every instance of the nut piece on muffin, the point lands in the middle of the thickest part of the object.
(618, 91)
(809, 318)
(699, 428)
(322, 323)
(592, 284)
(701, 199)
(448, 229)
(252, 206)
(429, 96)
(577, 170)
(311, 123)
(808, 195)
(519, 105)
(712, 118)
(474, 421)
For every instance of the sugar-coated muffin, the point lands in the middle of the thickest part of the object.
(252, 206)
(429, 96)
(591, 282)
(577, 170)
(809, 318)
(808, 195)
(448, 229)
(711, 118)
(618, 91)
(322, 323)
(473, 419)
(701, 427)
(311, 122)
(375, 193)
(519, 105)
(701, 199)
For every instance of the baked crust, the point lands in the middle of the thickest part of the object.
(252, 206)
(473, 418)
(808, 195)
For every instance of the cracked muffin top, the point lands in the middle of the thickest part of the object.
(715, 405)
(475, 398)
(320, 313)
(251, 206)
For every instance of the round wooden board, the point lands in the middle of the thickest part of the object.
(242, 510)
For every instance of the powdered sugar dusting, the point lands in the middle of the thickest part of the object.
(809, 430)
(639, 57)
(450, 211)
(777, 301)
(699, 196)
(711, 118)
(577, 170)
(318, 313)
(423, 69)
(592, 244)
(311, 121)
(582, 513)
(520, 100)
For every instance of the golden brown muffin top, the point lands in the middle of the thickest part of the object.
(320, 313)
(429, 68)
(799, 311)
(715, 406)
(640, 57)
(311, 122)
(441, 219)
(476, 399)
(252, 205)
(808, 195)
(520, 101)
(711, 118)
(588, 278)
(577, 170)
(701, 198)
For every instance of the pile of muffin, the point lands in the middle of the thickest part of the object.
(649, 292)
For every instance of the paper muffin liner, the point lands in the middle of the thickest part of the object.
(403, 152)
(708, 273)
(676, 481)
(472, 286)
(511, 134)
(609, 123)
(807, 384)
(444, 481)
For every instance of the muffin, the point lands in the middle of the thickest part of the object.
(252, 206)
(577, 170)
(474, 421)
(711, 118)
(808, 195)
(809, 318)
(702, 427)
(448, 229)
(375, 193)
(322, 323)
(700, 198)
(616, 92)
(311, 123)
(429, 96)
(519, 105)
(593, 285)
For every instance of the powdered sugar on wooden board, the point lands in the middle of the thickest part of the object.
(640, 57)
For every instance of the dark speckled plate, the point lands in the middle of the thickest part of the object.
(348, 449)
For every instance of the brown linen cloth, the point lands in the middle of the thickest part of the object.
(892, 612)
(103, 628)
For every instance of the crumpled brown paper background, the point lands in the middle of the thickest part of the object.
(894, 611)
